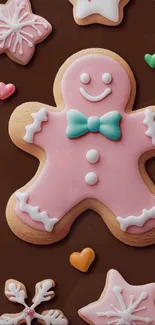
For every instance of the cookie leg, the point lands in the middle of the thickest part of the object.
(43, 212)
(136, 214)
(128, 204)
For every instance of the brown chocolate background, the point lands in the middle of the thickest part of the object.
(29, 263)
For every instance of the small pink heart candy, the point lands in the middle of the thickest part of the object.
(6, 90)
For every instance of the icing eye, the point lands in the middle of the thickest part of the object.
(107, 78)
(85, 78)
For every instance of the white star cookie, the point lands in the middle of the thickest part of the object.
(107, 12)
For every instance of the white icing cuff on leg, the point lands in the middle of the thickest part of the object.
(31, 129)
(149, 121)
(34, 213)
(138, 221)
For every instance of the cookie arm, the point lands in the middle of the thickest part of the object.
(141, 128)
(149, 121)
(26, 121)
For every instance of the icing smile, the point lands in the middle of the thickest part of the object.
(94, 99)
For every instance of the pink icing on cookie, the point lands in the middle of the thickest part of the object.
(94, 85)
(122, 303)
(20, 30)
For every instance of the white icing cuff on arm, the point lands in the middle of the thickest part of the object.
(34, 213)
(149, 121)
(31, 129)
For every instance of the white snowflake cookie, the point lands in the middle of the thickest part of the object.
(16, 292)
(107, 12)
(20, 30)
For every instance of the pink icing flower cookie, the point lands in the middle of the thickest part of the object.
(121, 303)
(92, 150)
(107, 12)
(20, 30)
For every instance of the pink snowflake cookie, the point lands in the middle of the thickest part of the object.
(20, 30)
(107, 12)
(92, 150)
(15, 291)
(121, 303)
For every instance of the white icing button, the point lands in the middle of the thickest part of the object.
(92, 156)
(85, 78)
(107, 78)
(91, 178)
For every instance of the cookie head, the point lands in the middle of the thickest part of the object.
(95, 82)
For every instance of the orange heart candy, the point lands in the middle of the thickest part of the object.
(82, 261)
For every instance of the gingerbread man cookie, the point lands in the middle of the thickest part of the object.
(92, 150)
(121, 303)
(20, 30)
(107, 12)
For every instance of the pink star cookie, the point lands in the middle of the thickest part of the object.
(121, 304)
(92, 150)
(20, 30)
(107, 12)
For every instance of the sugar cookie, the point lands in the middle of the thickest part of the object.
(107, 12)
(121, 303)
(92, 150)
(15, 291)
(82, 261)
(20, 30)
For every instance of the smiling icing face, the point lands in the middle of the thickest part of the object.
(95, 84)
(85, 79)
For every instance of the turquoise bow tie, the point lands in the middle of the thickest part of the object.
(79, 124)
